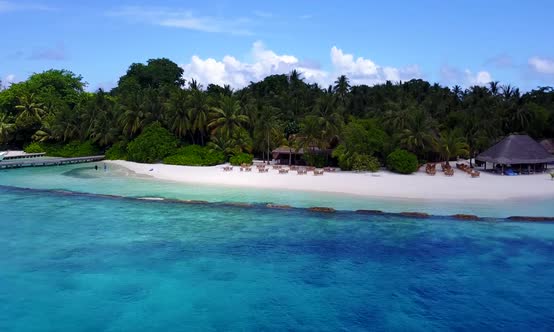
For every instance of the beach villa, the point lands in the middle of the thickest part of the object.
(516, 154)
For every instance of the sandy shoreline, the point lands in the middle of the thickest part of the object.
(382, 184)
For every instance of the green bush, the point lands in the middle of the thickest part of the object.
(71, 149)
(402, 161)
(117, 151)
(34, 148)
(364, 163)
(241, 158)
(152, 145)
(314, 159)
(195, 155)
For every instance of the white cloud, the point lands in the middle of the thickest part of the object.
(479, 78)
(9, 79)
(452, 75)
(542, 65)
(10, 6)
(183, 19)
(238, 74)
(365, 71)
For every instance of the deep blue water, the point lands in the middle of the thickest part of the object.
(81, 263)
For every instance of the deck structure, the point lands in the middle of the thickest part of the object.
(25, 156)
(29, 162)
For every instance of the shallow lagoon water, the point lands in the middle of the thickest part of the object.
(120, 181)
(88, 263)
(84, 263)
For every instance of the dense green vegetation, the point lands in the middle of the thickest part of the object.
(241, 158)
(153, 111)
(195, 155)
(402, 161)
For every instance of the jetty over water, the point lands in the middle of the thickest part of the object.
(24, 155)
(37, 162)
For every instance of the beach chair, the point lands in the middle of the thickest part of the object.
(318, 172)
(283, 171)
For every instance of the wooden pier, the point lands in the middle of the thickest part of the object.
(48, 162)
(25, 156)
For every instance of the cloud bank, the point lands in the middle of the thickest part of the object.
(238, 74)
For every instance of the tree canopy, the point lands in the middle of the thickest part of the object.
(359, 122)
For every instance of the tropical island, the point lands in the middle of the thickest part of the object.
(154, 115)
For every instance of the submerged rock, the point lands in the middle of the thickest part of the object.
(465, 217)
(415, 214)
(322, 209)
(239, 204)
(277, 206)
(523, 218)
(370, 212)
(194, 202)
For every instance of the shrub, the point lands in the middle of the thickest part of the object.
(34, 148)
(364, 163)
(402, 161)
(117, 151)
(152, 145)
(314, 159)
(241, 158)
(71, 149)
(195, 155)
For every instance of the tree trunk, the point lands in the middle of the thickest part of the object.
(290, 156)
(268, 147)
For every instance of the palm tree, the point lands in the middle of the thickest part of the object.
(6, 128)
(227, 117)
(134, 116)
(199, 109)
(451, 143)
(105, 131)
(29, 107)
(267, 128)
(342, 88)
(419, 133)
(329, 119)
(310, 133)
(178, 114)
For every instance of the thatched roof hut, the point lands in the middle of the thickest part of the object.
(548, 144)
(516, 150)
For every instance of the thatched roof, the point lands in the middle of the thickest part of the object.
(286, 150)
(516, 149)
(548, 144)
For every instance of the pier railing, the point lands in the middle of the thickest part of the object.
(48, 162)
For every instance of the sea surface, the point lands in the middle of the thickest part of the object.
(85, 262)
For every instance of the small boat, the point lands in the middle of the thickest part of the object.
(2, 155)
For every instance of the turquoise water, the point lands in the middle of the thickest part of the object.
(85, 263)
(116, 181)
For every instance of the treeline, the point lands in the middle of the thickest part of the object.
(362, 124)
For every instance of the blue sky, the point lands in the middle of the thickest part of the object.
(231, 42)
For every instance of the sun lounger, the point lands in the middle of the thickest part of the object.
(318, 172)
(283, 171)
(263, 170)
(302, 172)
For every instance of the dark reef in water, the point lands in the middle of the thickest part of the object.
(327, 210)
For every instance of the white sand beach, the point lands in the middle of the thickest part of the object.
(381, 184)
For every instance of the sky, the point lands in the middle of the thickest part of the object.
(451, 42)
